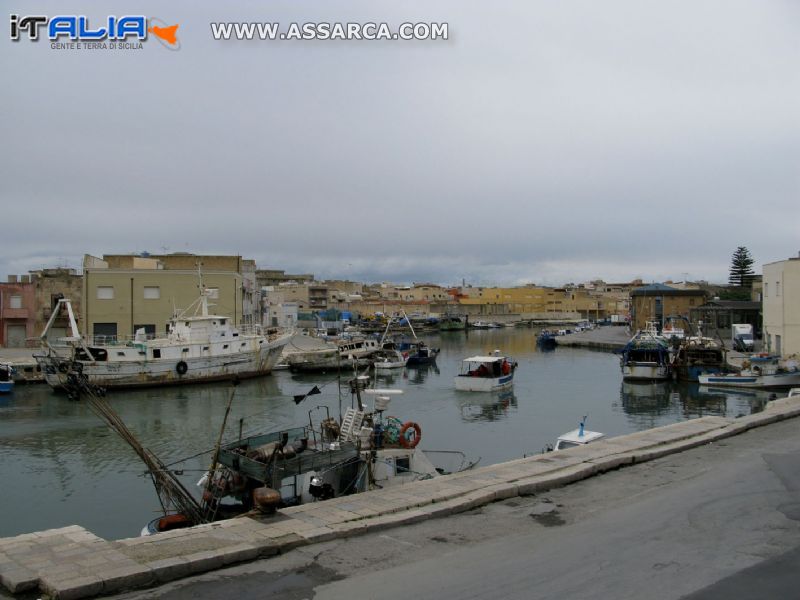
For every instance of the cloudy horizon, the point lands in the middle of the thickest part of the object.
(542, 143)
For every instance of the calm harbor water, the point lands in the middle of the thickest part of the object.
(61, 465)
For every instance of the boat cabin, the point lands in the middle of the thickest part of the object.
(486, 366)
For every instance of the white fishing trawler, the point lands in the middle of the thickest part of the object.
(198, 347)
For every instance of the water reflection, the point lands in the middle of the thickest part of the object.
(687, 401)
(487, 406)
(417, 375)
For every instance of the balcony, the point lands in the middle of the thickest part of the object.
(15, 313)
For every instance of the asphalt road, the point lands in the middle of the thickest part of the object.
(722, 521)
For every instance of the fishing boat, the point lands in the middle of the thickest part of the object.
(356, 351)
(323, 459)
(198, 347)
(759, 371)
(546, 339)
(645, 358)
(419, 354)
(486, 373)
(389, 358)
(577, 437)
(452, 323)
(6, 378)
(695, 356)
(671, 330)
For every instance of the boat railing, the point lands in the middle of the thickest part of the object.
(118, 340)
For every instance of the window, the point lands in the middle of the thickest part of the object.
(777, 288)
(152, 292)
(105, 292)
(212, 293)
(156, 352)
(149, 330)
(105, 330)
(15, 302)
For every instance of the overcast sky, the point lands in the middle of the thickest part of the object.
(544, 142)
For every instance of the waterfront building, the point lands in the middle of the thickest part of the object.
(656, 301)
(781, 289)
(717, 316)
(17, 311)
(124, 293)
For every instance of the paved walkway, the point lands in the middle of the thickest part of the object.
(72, 563)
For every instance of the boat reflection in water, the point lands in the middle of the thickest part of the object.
(419, 374)
(487, 407)
(650, 401)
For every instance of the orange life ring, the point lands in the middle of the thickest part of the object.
(405, 442)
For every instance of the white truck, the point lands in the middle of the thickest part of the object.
(742, 337)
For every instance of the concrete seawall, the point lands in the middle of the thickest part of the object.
(71, 562)
(609, 338)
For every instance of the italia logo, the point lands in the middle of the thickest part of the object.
(77, 28)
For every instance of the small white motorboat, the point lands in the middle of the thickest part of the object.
(486, 373)
(387, 359)
(577, 437)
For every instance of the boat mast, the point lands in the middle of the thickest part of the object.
(410, 326)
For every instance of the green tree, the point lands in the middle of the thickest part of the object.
(741, 273)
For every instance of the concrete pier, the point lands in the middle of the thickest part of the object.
(611, 338)
(72, 563)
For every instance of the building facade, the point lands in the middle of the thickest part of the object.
(143, 294)
(781, 293)
(657, 301)
(17, 311)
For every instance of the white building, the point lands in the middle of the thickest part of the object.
(782, 306)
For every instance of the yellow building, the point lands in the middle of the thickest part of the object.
(520, 300)
(140, 293)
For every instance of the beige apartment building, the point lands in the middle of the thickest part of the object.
(143, 293)
(781, 294)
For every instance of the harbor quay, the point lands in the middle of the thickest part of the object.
(72, 562)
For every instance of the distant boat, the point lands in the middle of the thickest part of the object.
(198, 347)
(6, 378)
(389, 358)
(452, 323)
(486, 373)
(419, 354)
(357, 351)
(546, 339)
